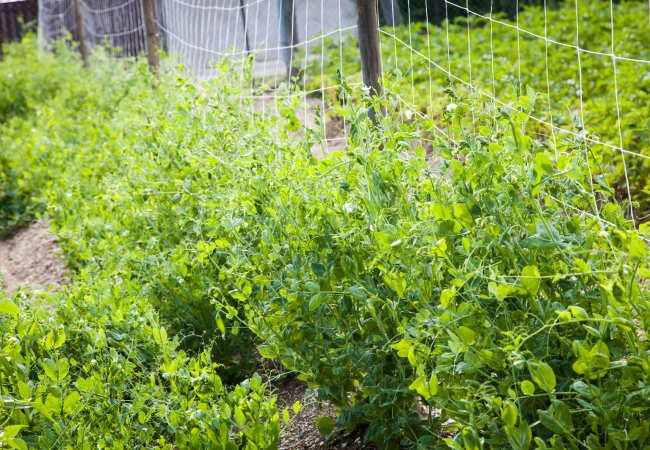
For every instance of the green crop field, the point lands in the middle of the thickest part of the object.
(497, 300)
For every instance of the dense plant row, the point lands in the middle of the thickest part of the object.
(477, 287)
(498, 58)
(123, 359)
(499, 295)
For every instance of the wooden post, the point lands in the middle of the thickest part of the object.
(152, 35)
(369, 49)
(247, 46)
(288, 34)
(81, 33)
(392, 14)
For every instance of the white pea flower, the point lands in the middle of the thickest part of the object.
(366, 90)
(451, 107)
(408, 113)
(181, 281)
(349, 207)
(11, 75)
(603, 234)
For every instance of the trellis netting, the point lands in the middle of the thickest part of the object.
(585, 62)
(199, 32)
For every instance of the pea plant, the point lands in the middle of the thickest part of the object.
(120, 360)
(490, 295)
(498, 296)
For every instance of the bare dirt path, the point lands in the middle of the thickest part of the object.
(29, 257)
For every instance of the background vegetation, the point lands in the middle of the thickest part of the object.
(579, 92)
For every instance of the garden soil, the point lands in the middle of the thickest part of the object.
(302, 434)
(30, 258)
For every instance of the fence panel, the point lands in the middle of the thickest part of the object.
(15, 17)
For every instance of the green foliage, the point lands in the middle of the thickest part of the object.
(24, 84)
(104, 370)
(501, 284)
(103, 374)
(105, 136)
(497, 59)
(490, 288)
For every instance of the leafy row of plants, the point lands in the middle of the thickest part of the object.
(122, 359)
(500, 296)
(582, 90)
(503, 288)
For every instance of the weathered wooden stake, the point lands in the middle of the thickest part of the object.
(152, 35)
(392, 14)
(247, 46)
(288, 34)
(81, 34)
(368, 29)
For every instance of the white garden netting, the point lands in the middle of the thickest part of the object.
(587, 62)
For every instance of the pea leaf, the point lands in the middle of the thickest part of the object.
(527, 387)
(12, 431)
(419, 381)
(267, 352)
(325, 425)
(16, 443)
(462, 213)
(8, 307)
(543, 375)
(543, 163)
(547, 419)
(316, 300)
(471, 439)
(519, 437)
(400, 285)
(240, 418)
(637, 248)
(446, 296)
(318, 269)
(467, 335)
(41, 408)
(509, 415)
(530, 279)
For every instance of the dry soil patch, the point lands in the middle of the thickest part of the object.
(29, 257)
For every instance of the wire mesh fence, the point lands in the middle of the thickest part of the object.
(584, 64)
(15, 17)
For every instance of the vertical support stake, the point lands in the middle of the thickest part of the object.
(391, 11)
(81, 33)
(247, 46)
(152, 35)
(369, 49)
(288, 34)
